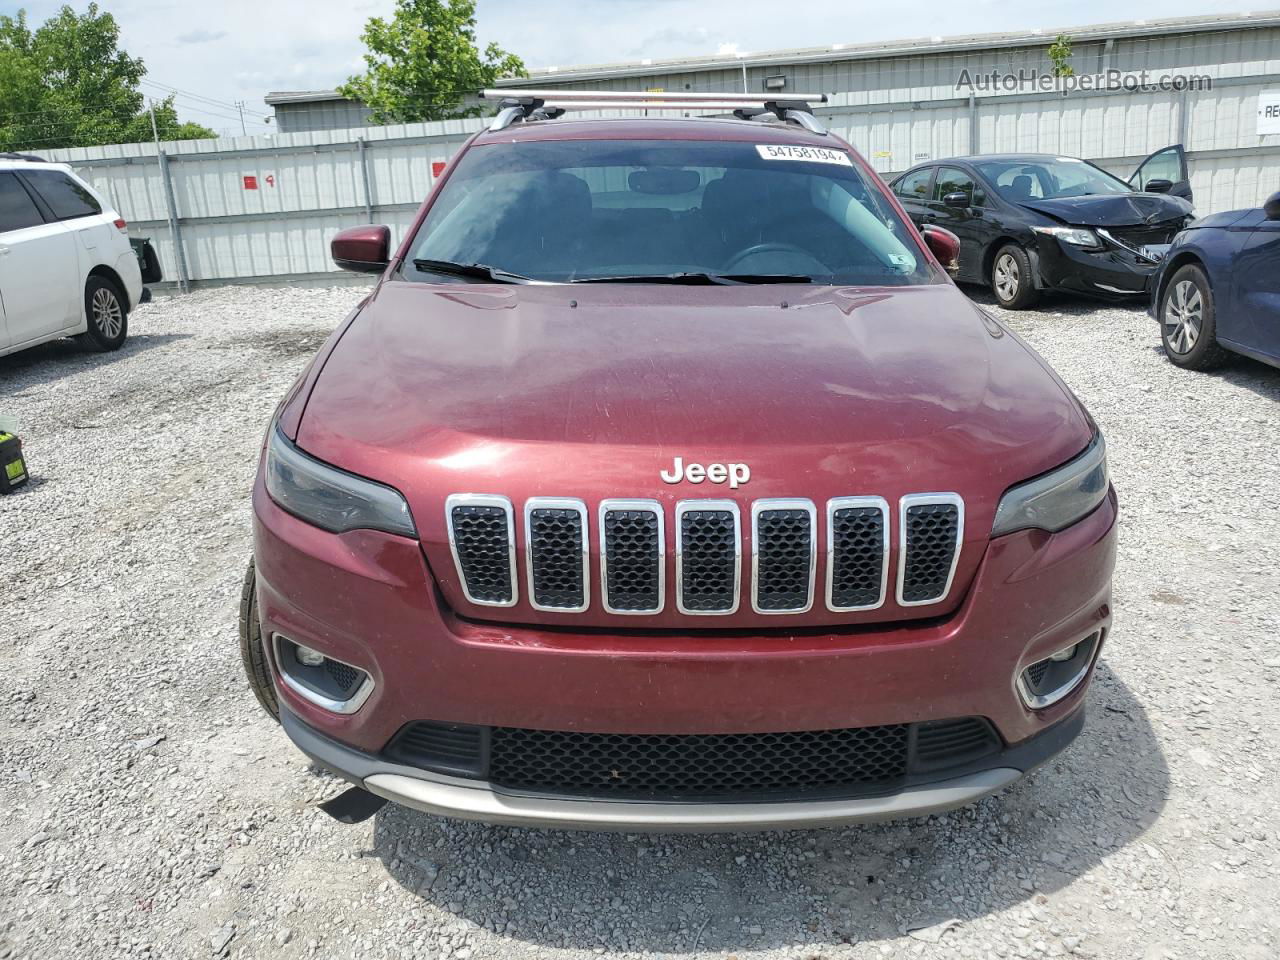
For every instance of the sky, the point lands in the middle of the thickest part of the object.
(218, 54)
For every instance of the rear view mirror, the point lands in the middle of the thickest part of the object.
(1159, 186)
(1272, 207)
(663, 182)
(958, 201)
(944, 245)
(362, 249)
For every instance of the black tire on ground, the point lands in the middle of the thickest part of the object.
(1011, 278)
(106, 317)
(252, 652)
(1188, 322)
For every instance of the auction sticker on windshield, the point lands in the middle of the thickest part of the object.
(783, 151)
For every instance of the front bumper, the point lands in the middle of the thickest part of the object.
(1111, 273)
(471, 799)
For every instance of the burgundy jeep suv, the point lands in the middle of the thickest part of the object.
(666, 481)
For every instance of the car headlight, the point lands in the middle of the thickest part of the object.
(1060, 497)
(1072, 235)
(330, 498)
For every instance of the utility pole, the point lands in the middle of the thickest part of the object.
(175, 237)
(240, 107)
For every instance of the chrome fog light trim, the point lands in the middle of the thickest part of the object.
(343, 707)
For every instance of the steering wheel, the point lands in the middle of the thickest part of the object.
(769, 247)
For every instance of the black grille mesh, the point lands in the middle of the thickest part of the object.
(857, 556)
(945, 743)
(784, 544)
(1140, 235)
(555, 552)
(440, 745)
(344, 676)
(697, 765)
(481, 537)
(930, 533)
(632, 557)
(1036, 672)
(709, 545)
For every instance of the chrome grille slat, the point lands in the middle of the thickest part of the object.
(784, 553)
(633, 551)
(931, 529)
(857, 553)
(557, 556)
(708, 557)
(482, 540)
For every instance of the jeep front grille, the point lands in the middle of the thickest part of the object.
(555, 533)
(783, 549)
(932, 529)
(632, 556)
(660, 767)
(708, 556)
(482, 538)
(857, 552)
(631, 539)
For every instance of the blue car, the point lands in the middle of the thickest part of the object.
(1217, 291)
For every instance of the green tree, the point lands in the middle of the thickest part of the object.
(424, 61)
(68, 84)
(1060, 56)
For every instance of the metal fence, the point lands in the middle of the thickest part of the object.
(264, 208)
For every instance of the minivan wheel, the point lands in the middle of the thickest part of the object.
(252, 653)
(1188, 328)
(107, 320)
(1011, 278)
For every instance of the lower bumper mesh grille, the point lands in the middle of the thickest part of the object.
(696, 766)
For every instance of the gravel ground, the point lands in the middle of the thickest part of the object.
(150, 808)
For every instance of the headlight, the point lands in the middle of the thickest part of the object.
(1059, 498)
(1073, 235)
(331, 498)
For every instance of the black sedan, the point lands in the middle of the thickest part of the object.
(1033, 222)
(1218, 290)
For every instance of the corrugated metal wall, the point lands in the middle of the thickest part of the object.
(905, 110)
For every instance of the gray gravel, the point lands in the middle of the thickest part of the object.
(150, 809)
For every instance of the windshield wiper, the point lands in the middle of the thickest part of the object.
(699, 279)
(480, 271)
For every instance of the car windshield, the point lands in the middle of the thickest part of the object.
(674, 211)
(1049, 179)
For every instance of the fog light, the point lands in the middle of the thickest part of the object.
(308, 657)
(1062, 655)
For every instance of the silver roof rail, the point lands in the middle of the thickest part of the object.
(523, 105)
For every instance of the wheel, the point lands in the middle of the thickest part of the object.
(1187, 321)
(105, 315)
(1011, 278)
(252, 653)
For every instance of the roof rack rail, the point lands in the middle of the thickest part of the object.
(525, 105)
(29, 157)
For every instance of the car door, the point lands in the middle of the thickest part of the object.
(39, 267)
(1167, 163)
(914, 190)
(1257, 282)
(967, 223)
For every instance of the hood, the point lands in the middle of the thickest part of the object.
(1224, 219)
(1112, 210)
(590, 391)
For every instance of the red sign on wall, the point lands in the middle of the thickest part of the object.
(437, 167)
(251, 183)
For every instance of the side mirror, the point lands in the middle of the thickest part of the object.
(362, 249)
(1271, 209)
(944, 245)
(957, 201)
(1158, 186)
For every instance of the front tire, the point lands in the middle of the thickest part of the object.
(252, 654)
(1188, 321)
(106, 318)
(1012, 280)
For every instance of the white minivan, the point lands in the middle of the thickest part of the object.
(66, 267)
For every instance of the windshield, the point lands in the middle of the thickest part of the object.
(1049, 179)
(665, 211)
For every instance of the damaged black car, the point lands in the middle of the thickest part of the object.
(1034, 222)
